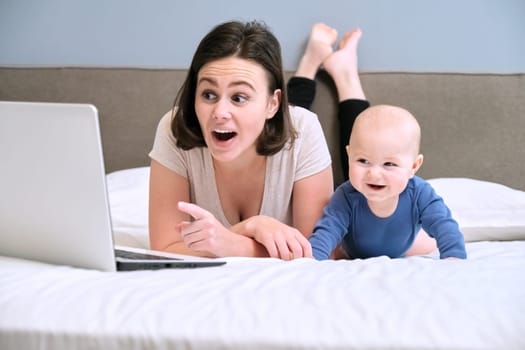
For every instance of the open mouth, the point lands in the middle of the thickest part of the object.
(224, 135)
(376, 187)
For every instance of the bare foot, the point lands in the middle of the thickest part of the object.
(342, 66)
(319, 47)
(345, 58)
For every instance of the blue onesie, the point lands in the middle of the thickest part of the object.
(347, 219)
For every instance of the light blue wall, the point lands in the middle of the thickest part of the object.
(403, 35)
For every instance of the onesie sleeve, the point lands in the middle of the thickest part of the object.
(333, 224)
(437, 221)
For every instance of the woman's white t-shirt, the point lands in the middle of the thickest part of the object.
(307, 156)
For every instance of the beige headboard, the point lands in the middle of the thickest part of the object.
(473, 124)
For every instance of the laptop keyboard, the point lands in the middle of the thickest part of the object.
(140, 256)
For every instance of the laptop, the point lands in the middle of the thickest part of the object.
(54, 205)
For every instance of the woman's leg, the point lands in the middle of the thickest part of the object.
(347, 111)
(319, 47)
(342, 67)
(301, 87)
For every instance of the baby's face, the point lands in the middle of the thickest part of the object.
(381, 161)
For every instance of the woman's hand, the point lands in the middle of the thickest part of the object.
(206, 234)
(280, 240)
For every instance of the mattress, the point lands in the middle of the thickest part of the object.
(250, 303)
(419, 302)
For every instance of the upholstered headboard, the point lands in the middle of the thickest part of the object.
(473, 125)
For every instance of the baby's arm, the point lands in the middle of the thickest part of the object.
(333, 225)
(438, 222)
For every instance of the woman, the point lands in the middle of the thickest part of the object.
(257, 172)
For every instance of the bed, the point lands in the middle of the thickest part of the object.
(472, 136)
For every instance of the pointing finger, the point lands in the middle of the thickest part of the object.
(194, 210)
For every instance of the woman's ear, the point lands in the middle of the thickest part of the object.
(274, 103)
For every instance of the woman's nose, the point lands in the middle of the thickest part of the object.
(222, 109)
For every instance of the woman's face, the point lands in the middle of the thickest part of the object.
(232, 104)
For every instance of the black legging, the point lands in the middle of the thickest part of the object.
(301, 92)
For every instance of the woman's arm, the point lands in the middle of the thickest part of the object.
(277, 239)
(310, 196)
(170, 228)
(166, 189)
(206, 234)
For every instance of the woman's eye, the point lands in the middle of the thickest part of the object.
(207, 95)
(239, 98)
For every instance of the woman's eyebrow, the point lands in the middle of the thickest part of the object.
(207, 80)
(213, 82)
(242, 83)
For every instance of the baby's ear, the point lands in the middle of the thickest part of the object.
(417, 164)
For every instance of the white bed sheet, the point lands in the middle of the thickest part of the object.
(379, 303)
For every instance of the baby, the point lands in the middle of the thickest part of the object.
(380, 210)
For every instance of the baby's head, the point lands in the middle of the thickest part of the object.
(383, 151)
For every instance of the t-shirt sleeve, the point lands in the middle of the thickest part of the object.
(312, 149)
(165, 150)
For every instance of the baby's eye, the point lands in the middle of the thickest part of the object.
(239, 98)
(390, 164)
(363, 161)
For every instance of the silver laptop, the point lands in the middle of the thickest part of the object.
(54, 206)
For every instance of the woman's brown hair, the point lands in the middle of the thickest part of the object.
(251, 41)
